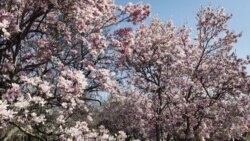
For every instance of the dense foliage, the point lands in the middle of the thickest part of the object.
(58, 56)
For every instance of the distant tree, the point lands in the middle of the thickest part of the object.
(131, 113)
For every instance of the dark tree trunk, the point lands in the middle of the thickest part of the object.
(157, 132)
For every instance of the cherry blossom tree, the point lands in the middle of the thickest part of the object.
(52, 60)
(129, 112)
(57, 55)
(198, 89)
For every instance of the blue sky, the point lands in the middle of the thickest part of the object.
(184, 11)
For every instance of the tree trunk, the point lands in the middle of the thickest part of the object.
(157, 132)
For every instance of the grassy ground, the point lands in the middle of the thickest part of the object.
(248, 138)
